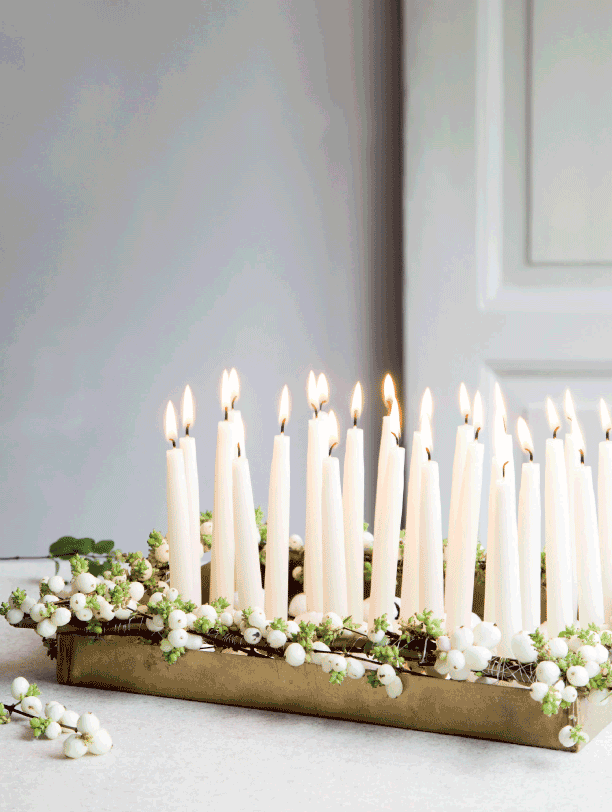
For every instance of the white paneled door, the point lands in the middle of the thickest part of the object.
(508, 211)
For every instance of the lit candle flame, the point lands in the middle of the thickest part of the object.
(239, 432)
(322, 389)
(427, 404)
(313, 397)
(604, 413)
(500, 406)
(568, 406)
(388, 391)
(334, 431)
(478, 419)
(170, 429)
(499, 434)
(464, 402)
(552, 416)
(226, 396)
(283, 413)
(234, 386)
(579, 439)
(426, 434)
(524, 436)
(357, 402)
(188, 408)
(395, 421)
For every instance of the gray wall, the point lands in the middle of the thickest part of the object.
(186, 187)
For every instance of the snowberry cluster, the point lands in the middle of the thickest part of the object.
(88, 736)
(466, 650)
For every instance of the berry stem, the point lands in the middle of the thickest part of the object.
(13, 709)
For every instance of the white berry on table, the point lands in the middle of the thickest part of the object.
(88, 723)
(75, 746)
(54, 711)
(100, 743)
(69, 718)
(53, 730)
(19, 687)
(31, 705)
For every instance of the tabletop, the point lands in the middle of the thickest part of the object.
(170, 753)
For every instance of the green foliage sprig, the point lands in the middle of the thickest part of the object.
(97, 552)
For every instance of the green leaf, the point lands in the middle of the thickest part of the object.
(97, 568)
(63, 546)
(103, 547)
(84, 546)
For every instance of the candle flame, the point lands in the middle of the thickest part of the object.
(604, 413)
(464, 402)
(568, 406)
(226, 395)
(499, 434)
(426, 434)
(188, 408)
(322, 389)
(388, 391)
(524, 436)
(313, 398)
(357, 401)
(170, 429)
(427, 404)
(552, 415)
(500, 406)
(578, 438)
(283, 414)
(238, 431)
(334, 431)
(395, 420)
(234, 385)
(478, 418)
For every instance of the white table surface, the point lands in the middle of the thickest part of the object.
(172, 754)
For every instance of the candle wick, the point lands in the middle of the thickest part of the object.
(173, 442)
(467, 418)
(355, 420)
(530, 452)
(316, 411)
(234, 399)
(187, 430)
(582, 456)
(555, 432)
(428, 454)
(504, 468)
(331, 448)
(396, 437)
(238, 444)
(283, 426)
(477, 433)
(607, 434)
(226, 413)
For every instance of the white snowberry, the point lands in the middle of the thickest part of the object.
(37, 612)
(207, 612)
(459, 674)
(19, 687)
(296, 542)
(46, 628)
(88, 723)
(252, 635)
(193, 642)
(75, 746)
(226, 619)
(327, 662)
(487, 634)
(376, 636)
(565, 736)
(386, 673)
(136, 590)
(56, 584)
(69, 718)
(237, 617)
(53, 730)
(277, 638)
(539, 691)
(156, 597)
(191, 619)
(368, 540)
(177, 619)
(592, 668)
(557, 647)
(442, 667)
(338, 662)
(588, 652)
(61, 616)
(601, 654)
(295, 654)
(523, 648)
(155, 623)
(444, 643)
(475, 620)
(319, 650)
(31, 705)
(569, 694)
(78, 601)
(455, 660)
(355, 669)
(54, 711)
(335, 620)
(84, 614)
(292, 629)
(86, 582)
(50, 599)
(461, 638)
(297, 605)
(577, 676)
(100, 743)
(14, 616)
(394, 688)
(206, 528)
(548, 672)
(574, 643)
(257, 618)
(477, 658)
(162, 553)
(172, 594)
(178, 637)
